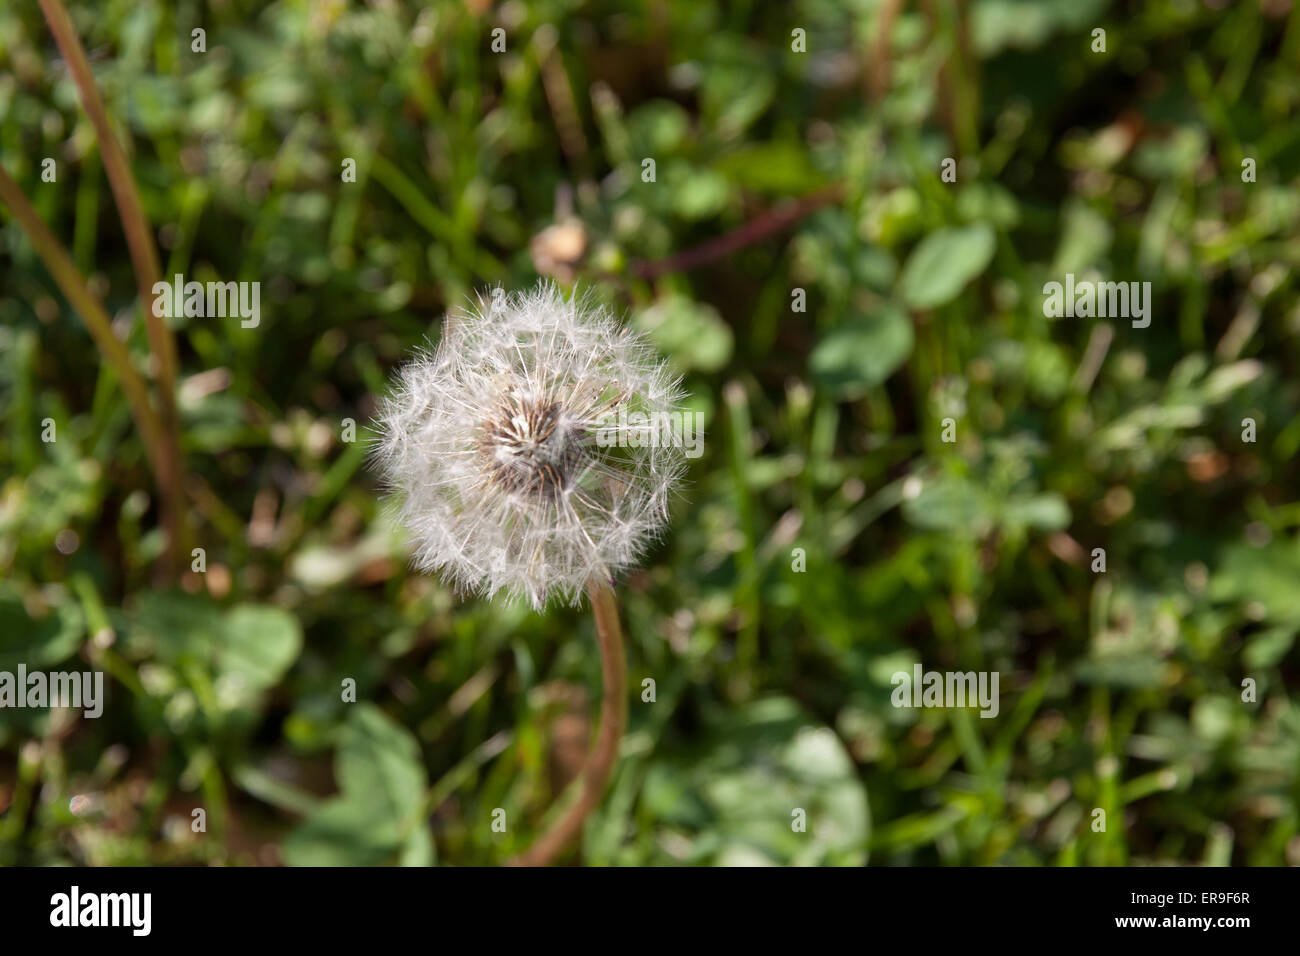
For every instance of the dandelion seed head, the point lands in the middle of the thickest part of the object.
(506, 452)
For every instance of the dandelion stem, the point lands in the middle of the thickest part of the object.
(148, 271)
(613, 719)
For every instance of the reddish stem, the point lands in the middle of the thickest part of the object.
(613, 719)
(757, 229)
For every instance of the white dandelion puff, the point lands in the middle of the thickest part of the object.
(511, 450)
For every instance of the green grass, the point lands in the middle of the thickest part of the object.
(1120, 692)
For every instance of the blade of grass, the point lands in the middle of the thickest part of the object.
(78, 293)
(741, 460)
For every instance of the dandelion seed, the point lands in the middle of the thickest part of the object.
(506, 445)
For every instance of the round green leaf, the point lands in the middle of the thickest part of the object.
(379, 763)
(374, 820)
(259, 643)
(863, 352)
(943, 262)
(692, 333)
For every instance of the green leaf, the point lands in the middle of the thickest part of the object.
(1085, 237)
(37, 641)
(1045, 512)
(692, 333)
(943, 262)
(738, 800)
(863, 352)
(657, 128)
(341, 833)
(173, 626)
(947, 503)
(1266, 576)
(259, 643)
(374, 820)
(988, 203)
(1268, 647)
(998, 24)
(379, 762)
(696, 193)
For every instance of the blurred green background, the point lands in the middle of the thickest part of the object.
(1120, 691)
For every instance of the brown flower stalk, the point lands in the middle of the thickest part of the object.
(144, 260)
(613, 720)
